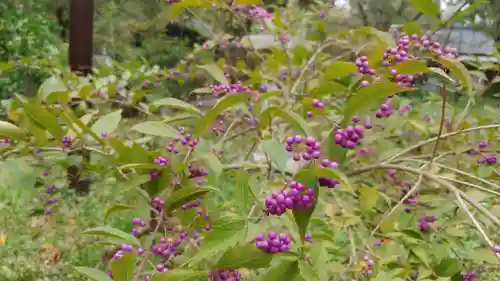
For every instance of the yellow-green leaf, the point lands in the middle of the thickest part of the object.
(411, 67)
(10, 130)
(184, 195)
(107, 123)
(291, 117)
(428, 7)
(110, 232)
(155, 128)
(92, 273)
(176, 103)
(216, 73)
(339, 69)
(179, 275)
(368, 198)
(457, 69)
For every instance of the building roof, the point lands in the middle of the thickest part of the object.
(467, 40)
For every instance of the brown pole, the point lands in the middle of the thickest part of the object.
(80, 36)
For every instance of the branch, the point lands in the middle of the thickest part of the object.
(364, 17)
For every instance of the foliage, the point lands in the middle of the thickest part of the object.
(335, 174)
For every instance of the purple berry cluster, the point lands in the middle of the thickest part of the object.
(274, 243)
(312, 151)
(157, 203)
(218, 89)
(66, 141)
(425, 221)
(154, 174)
(488, 159)
(190, 205)
(405, 108)
(364, 67)
(385, 110)
(162, 161)
(350, 137)
(184, 140)
(225, 274)
(496, 249)
(316, 103)
(470, 275)
(403, 80)
(197, 173)
(173, 1)
(328, 182)
(168, 248)
(412, 200)
(205, 217)
(368, 266)
(296, 196)
(254, 11)
(483, 144)
(49, 198)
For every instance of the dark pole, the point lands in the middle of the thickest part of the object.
(80, 36)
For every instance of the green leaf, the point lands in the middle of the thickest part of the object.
(183, 195)
(482, 255)
(441, 73)
(114, 233)
(216, 73)
(70, 118)
(368, 198)
(428, 7)
(447, 267)
(225, 233)
(457, 69)
(285, 271)
(53, 84)
(292, 118)
(245, 256)
(306, 176)
(155, 128)
(75, 129)
(241, 191)
(334, 173)
(248, 2)
(92, 273)
(45, 119)
(485, 171)
(215, 168)
(10, 130)
(320, 258)
(276, 152)
(123, 268)
(412, 28)
(307, 271)
(371, 95)
(383, 276)
(422, 255)
(178, 104)
(107, 123)
(114, 209)
(179, 275)
(224, 103)
(411, 67)
(339, 69)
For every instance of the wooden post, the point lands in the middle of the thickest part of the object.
(81, 35)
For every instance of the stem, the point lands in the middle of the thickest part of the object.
(441, 125)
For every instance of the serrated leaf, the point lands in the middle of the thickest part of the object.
(447, 267)
(285, 271)
(368, 197)
(276, 152)
(411, 67)
(428, 7)
(295, 120)
(110, 232)
(183, 195)
(154, 128)
(93, 273)
(216, 73)
(307, 177)
(176, 103)
(179, 275)
(224, 103)
(307, 271)
(245, 256)
(108, 123)
(339, 69)
(114, 209)
(123, 268)
(10, 130)
(371, 95)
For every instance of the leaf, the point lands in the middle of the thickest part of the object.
(215, 168)
(75, 129)
(441, 73)
(93, 273)
(485, 171)
(183, 195)
(178, 104)
(307, 271)
(107, 123)
(411, 67)
(179, 275)
(216, 73)
(245, 256)
(422, 255)
(114, 233)
(306, 176)
(457, 69)
(428, 7)
(384, 276)
(334, 173)
(276, 152)
(224, 103)
(51, 85)
(155, 128)
(291, 117)
(368, 198)
(339, 69)
(114, 209)
(319, 257)
(447, 267)
(45, 119)
(482, 255)
(371, 95)
(248, 2)
(226, 232)
(11, 131)
(241, 191)
(123, 268)
(285, 271)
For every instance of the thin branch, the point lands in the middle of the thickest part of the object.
(441, 124)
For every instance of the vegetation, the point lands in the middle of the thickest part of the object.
(329, 154)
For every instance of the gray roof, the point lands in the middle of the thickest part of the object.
(467, 40)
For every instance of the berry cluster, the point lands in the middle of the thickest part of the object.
(403, 80)
(184, 140)
(313, 147)
(157, 203)
(162, 161)
(488, 159)
(483, 144)
(385, 110)
(190, 205)
(364, 67)
(274, 243)
(405, 108)
(425, 221)
(167, 248)
(206, 218)
(229, 89)
(225, 274)
(350, 137)
(137, 222)
(294, 197)
(316, 103)
(154, 174)
(66, 141)
(49, 198)
(368, 267)
(412, 200)
(254, 12)
(470, 275)
(198, 173)
(496, 249)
